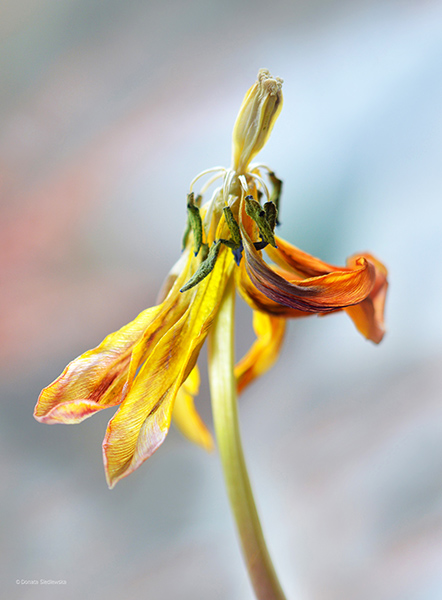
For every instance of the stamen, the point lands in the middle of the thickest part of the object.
(260, 180)
(244, 184)
(255, 211)
(257, 166)
(232, 225)
(212, 170)
(205, 268)
(229, 177)
(276, 183)
(271, 214)
(209, 183)
(237, 249)
(194, 223)
(276, 192)
(235, 244)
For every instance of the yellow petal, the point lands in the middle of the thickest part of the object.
(185, 415)
(101, 377)
(264, 351)
(95, 380)
(143, 419)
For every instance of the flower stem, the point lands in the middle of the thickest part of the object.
(225, 415)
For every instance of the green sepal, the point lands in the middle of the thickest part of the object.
(206, 267)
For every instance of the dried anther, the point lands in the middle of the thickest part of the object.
(194, 223)
(255, 211)
(205, 268)
(275, 196)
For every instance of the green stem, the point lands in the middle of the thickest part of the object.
(225, 415)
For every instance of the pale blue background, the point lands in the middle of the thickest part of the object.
(108, 110)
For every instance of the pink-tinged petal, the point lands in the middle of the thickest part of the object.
(265, 350)
(95, 380)
(101, 377)
(143, 419)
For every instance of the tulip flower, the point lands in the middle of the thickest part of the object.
(149, 367)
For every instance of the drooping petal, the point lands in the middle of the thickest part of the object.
(368, 316)
(258, 301)
(100, 377)
(185, 415)
(324, 293)
(264, 351)
(94, 380)
(143, 419)
(293, 259)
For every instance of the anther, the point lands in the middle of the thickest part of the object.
(194, 223)
(276, 192)
(255, 211)
(205, 268)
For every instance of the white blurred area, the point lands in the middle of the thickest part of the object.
(108, 109)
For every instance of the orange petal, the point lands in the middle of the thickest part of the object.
(368, 316)
(324, 293)
(185, 415)
(291, 258)
(143, 419)
(264, 351)
(258, 301)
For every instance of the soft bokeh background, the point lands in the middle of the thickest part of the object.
(108, 109)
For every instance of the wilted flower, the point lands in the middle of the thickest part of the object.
(148, 367)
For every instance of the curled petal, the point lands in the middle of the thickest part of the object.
(141, 423)
(368, 316)
(324, 293)
(185, 415)
(264, 351)
(293, 259)
(320, 294)
(359, 288)
(95, 380)
(258, 301)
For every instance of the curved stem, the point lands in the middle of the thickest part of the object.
(225, 415)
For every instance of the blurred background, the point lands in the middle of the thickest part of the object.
(108, 109)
